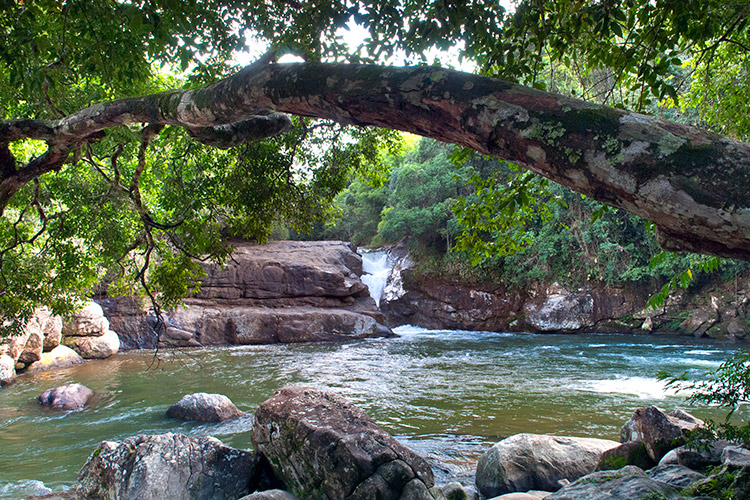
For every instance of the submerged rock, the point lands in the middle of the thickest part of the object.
(536, 462)
(324, 448)
(169, 467)
(66, 397)
(204, 407)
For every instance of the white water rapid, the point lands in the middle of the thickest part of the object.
(375, 271)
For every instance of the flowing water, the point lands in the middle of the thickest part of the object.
(447, 394)
(375, 271)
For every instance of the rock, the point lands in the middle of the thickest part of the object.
(454, 491)
(204, 407)
(724, 481)
(51, 325)
(244, 325)
(7, 370)
(682, 415)
(676, 475)
(95, 347)
(517, 496)
(530, 461)
(627, 483)
(12, 346)
(735, 456)
(168, 467)
(670, 458)
(630, 453)
(659, 432)
(32, 349)
(131, 318)
(57, 358)
(66, 397)
(699, 459)
(323, 447)
(88, 322)
(283, 291)
(736, 327)
(699, 321)
(271, 495)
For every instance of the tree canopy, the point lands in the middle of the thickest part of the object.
(131, 143)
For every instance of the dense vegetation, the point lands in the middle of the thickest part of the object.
(517, 230)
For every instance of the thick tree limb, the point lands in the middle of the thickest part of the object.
(691, 183)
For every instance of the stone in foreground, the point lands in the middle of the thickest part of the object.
(324, 448)
(659, 432)
(271, 495)
(204, 407)
(66, 397)
(627, 483)
(168, 467)
(536, 462)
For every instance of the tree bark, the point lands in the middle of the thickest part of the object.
(694, 185)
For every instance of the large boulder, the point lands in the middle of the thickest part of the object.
(169, 467)
(324, 448)
(627, 483)
(279, 292)
(58, 357)
(659, 432)
(7, 369)
(535, 462)
(204, 407)
(66, 397)
(95, 347)
(88, 322)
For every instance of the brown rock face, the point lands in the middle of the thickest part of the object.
(283, 291)
(324, 448)
(659, 432)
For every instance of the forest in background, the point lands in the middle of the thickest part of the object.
(476, 219)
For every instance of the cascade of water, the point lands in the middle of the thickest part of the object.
(375, 271)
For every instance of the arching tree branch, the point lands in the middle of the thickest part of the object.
(691, 183)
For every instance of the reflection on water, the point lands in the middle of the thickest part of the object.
(447, 394)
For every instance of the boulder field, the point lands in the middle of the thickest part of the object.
(315, 445)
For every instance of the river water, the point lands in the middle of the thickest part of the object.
(447, 394)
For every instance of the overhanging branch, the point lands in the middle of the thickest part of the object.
(691, 183)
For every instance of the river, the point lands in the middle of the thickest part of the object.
(447, 394)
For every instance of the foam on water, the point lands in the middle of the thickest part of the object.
(23, 488)
(642, 387)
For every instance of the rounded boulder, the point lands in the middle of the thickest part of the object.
(66, 397)
(536, 462)
(204, 407)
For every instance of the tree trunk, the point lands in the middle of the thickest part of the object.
(694, 185)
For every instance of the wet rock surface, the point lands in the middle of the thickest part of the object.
(66, 397)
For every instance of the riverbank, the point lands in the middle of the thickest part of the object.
(448, 395)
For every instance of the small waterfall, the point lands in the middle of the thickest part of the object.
(375, 271)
